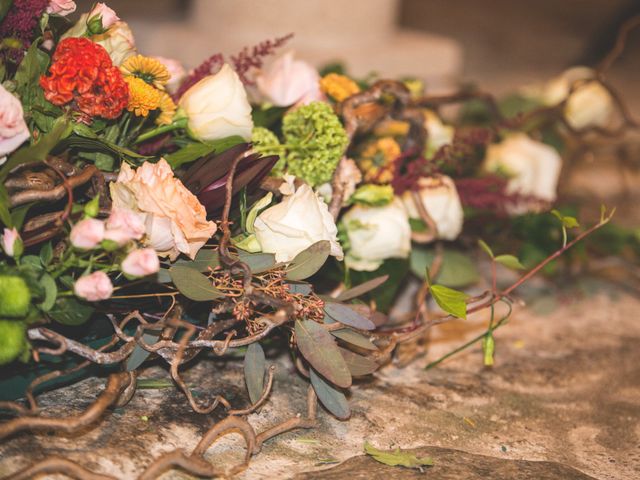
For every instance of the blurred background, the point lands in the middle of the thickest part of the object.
(499, 45)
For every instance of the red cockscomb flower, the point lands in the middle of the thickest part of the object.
(82, 71)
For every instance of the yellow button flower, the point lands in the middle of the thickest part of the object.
(148, 69)
(338, 86)
(142, 97)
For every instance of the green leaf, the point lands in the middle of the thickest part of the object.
(5, 214)
(567, 221)
(319, 348)
(70, 311)
(347, 316)
(33, 64)
(258, 262)
(153, 383)
(254, 369)
(300, 288)
(488, 349)
(18, 214)
(450, 300)
(332, 398)
(205, 259)
(5, 5)
(46, 254)
(359, 365)
(309, 261)
(510, 261)
(196, 150)
(354, 338)
(362, 288)
(384, 295)
(50, 292)
(397, 458)
(485, 247)
(36, 152)
(457, 269)
(193, 284)
(255, 211)
(139, 354)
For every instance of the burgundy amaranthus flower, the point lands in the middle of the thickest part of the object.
(209, 67)
(408, 168)
(248, 59)
(489, 193)
(20, 23)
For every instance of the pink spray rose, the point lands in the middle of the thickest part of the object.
(61, 7)
(13, 129)
(123, 225)
(87, 233)
(288, 81)
(141, 262)
(94, 287)
(108, 16)
(11, 242)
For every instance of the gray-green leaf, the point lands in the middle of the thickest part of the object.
(193, 284)
(347, 316)
(333, 399)
(309, 261)
(254, 368)
(509, 261)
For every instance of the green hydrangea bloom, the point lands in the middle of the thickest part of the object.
(15, 296)
(315, 141)
(266, 142)
(13, 341)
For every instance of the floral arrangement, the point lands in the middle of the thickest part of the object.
(216, 209)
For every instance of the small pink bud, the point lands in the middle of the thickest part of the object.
(94, 287)
(87, 233)
(107, 15)
(140, 263)
(11, 242)
(124, 225)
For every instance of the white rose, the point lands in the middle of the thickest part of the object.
(217, 107)
(297, 222)
(13, 129)
(375, 234)
(440, 198)
(589, 105)
(288, 81)
(439, 134)
(533, 167)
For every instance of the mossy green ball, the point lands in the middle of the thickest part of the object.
(15, 296)
(12, 340)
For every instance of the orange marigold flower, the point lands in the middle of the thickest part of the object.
(82, 71)
(377, 160)
(338, 86)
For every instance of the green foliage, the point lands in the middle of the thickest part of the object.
(396, 269)
(195, 150)
(362, 288)
(332, 398)
(347, 316)
(309, 261)
(397, 458)
(315, 142)
(372, 195)
(319, 348)
(451, 301)
(354, 338)
(359, 365)
(5, 5)
(510, 261)
(254, 370)
(567, 222)
(457, 269)
(193, 284)
(70, 311)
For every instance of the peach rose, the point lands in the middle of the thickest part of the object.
(141, 262)
(123, 225)
(61, 7)
(175, 221)
(94, 287)
(13, 129)
(87, 233)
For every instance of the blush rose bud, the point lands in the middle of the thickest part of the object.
(12, 243)
(123, 225)
(94, 287)
(87, 234)
(141, 263)
(101, 18)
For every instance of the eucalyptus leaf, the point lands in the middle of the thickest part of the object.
(254, 369)
(332, 398)
(309, 261)
(258, 262)
(347, 316)
(193, 284)
(450, 300)
(510, 261)
(139, 354)
(354, 338)
(205, 259)
(362, 288)
(300, 288)
(359, 365)
(319, 348)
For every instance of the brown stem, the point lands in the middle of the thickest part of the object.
(28, 196)
(53, 465)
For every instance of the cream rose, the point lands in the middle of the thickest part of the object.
(375, 234)
(287, 81)
(439, 134)
(589, 105)
(13, 129)
(175, 221)
(440, 198)
(533, 168)
(217, 107)
(297, 222)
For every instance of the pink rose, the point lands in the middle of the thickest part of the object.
(141, 262)
(87, 233)
(175, 221)
(287, 81)
(11, 242)
(94, 287)
(123, 225)
(107, 15)
(13, 129)
(61, 7)
(176, 70)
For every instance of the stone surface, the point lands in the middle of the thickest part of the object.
(562, 401)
